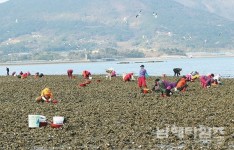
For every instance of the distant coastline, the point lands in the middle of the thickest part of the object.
(145, 59)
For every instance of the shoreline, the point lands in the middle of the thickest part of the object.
(124, 60)
(103, 76)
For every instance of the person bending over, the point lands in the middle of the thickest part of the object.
(177, 71)
(128, 77)
(46, 96)
(206, 80)
(181, 84)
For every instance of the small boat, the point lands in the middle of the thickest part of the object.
(139, 62)
(153, 61)
(123, 62)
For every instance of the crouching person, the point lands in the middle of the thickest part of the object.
(192, 76)
(161, 87)
(46, 96)
(217, 79)
(168, 91)
(181, 84)
(128, 77)
(206, 80)
(110, 73)
(86, 74)
(38, 75)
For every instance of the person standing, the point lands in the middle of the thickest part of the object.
(142, 77)
(8, 70)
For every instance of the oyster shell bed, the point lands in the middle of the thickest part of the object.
(111, 114)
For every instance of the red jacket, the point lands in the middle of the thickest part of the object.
(181, 83)
(69, 71)
(128, 77)
(86, 74)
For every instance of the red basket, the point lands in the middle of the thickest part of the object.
(145, 91)
(55, 101)
(42, 124)
(56, 125)
(82, 84)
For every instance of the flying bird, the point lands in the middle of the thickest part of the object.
(155, 15)
(125, 20)
(138, 14)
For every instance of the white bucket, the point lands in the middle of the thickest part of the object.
(58, 120)
(33, 121)
(90, 78)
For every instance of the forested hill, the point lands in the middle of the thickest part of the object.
(41, 27)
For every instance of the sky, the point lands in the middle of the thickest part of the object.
(2, 1)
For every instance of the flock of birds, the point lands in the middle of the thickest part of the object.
(125, 19)
(139, 14)
(155, 15)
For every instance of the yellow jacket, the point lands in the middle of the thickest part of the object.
(195, 76)
(47, 91)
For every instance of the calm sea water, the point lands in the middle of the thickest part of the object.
(223, 66)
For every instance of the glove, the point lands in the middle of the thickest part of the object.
(48, 100)
(43, 98)
(146, 75)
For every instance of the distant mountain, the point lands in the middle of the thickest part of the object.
(74, 29)
(223, 8)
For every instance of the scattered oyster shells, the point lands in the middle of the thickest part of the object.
(108, 114)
